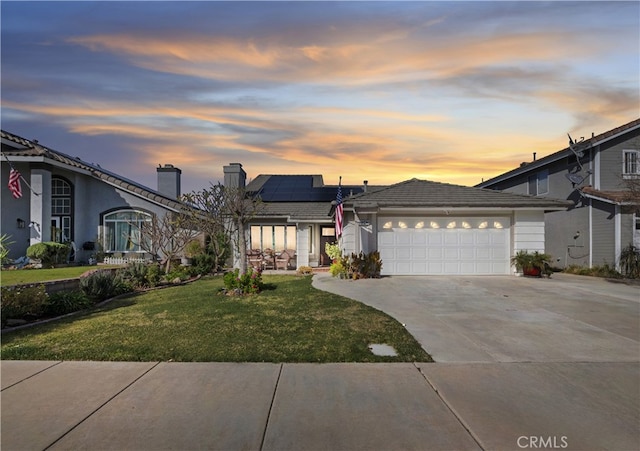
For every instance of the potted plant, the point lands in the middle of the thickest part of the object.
(533, 264)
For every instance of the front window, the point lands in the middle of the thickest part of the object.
(61, 210)
(274, 237)
(122, 230)
(631, 162)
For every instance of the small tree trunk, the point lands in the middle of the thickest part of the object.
(242, 246)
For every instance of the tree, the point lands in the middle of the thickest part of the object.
(166, 237)
(223, 211)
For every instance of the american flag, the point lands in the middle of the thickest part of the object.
(14, 184)
(339, 211)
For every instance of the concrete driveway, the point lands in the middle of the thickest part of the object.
(508, 319)
(523, 363)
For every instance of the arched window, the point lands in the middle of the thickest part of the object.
(122, 230)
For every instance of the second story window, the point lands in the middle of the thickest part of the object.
(539, 183)
(631, 162)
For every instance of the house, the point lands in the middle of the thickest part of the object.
(65, 199)
(294, 213)
(600, 176)
(419, 227)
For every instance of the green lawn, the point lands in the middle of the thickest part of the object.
(18, 276)
(290, 321)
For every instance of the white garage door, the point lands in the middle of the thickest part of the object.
(448, 245)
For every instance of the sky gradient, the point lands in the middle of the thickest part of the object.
(445, 91)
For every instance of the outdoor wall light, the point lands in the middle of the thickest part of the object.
(434, 225)
(420, 225)
(20, 223)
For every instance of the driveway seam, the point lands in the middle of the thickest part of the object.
(101, 406)
(460, 420)
(32, 375)
(273, 398)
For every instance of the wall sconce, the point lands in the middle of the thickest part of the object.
(20, 223)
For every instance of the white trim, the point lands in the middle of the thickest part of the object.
(617, 221)
(595, 168)
(590, 207)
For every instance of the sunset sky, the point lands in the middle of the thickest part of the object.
(384, 91)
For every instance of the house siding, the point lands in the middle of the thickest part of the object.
(611, 163)
(603, 238)
(528, 231)
(567, 237)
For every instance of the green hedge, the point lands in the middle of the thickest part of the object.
(49, 253)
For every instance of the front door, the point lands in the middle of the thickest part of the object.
(327, 235)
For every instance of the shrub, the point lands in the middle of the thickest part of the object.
(142, 275)
(247, 283)
(630, 262)
(203, 264)
(357, 266)
(179, 272)
(340, 268)
(595, 271)
(104, 284)
(49, 253)
(365, 266)
(4, 248)
(66, 302)
(21, 301)
(333, 251)
(305, 270)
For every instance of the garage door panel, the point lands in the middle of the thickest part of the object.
(419, 267)
(451, 254)
(467, 238)
(446, 251)
(419, 253)
(435, 253)
(451, 238)
(386, 239)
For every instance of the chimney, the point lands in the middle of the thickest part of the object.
(234, 176)
(366, 183)
(534, 156)
(169, 180)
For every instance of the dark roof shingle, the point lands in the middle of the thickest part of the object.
(424, 193)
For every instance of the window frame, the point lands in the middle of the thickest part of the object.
(626, 164)
(539, 180)
(106, 237)
(269, 240)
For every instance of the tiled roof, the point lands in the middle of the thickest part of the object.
(587, 143)
(301, 211)
(618, 197)
(424, 193)
(34, 149)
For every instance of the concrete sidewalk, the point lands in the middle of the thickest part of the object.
(262, 406)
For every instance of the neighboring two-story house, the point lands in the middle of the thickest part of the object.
(601, 176)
